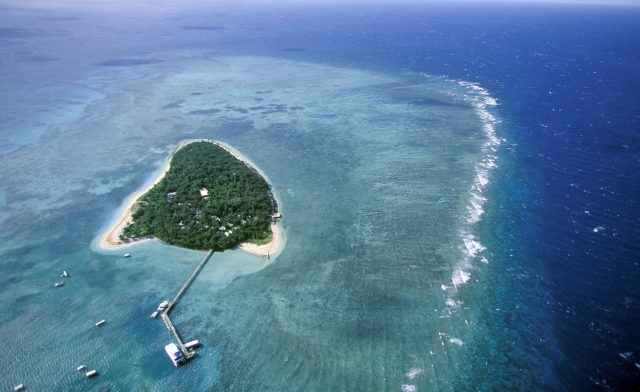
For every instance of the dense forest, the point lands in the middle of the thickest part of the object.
(178, 210)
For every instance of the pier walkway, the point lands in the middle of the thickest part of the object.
(188, 283)
(165, 314)
(167, 321)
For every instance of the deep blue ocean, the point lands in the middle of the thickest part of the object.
(479, 160)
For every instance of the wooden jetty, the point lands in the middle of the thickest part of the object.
(165, 314)
(167, 321)
(188, 283)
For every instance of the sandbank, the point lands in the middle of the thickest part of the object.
(111, 238)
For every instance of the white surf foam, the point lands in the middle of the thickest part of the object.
(460, 277)
(471, 247)
(456, 341)
(413, 373)
(453, 303)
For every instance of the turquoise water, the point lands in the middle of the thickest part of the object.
(380, 176)
(423, 251)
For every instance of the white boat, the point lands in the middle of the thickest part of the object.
(191, 344)
(91, 373)
(127, 255)
(163, 305)
(58, 284)
(18, 387)
(81, 367)
(174, 353)
(64, 274)
(154, 314)
(101, 322)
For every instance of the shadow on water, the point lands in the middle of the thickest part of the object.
(17, 32)
(205, 28)
(434, 102)
(205, 111)
(38, 59)
(62, 19)
(126, 62)
(173, 105)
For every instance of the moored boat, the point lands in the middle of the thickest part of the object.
(174, 353)
(191, 344)
(163, 305)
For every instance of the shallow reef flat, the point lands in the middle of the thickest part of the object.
(380, 175)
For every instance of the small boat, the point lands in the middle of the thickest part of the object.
(101, 322)
(163, 305)
(175, 354)
(191, 344)
(64, 274)
(58, 284)
(91, 373)
(81, 367)
(18, 387)
(127, 255)
(154, 314)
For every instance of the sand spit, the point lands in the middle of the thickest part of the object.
(111, 238)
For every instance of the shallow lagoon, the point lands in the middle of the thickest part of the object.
(380, 177)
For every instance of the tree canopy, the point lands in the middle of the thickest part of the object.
(238, 206)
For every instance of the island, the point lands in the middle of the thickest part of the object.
(206, 197)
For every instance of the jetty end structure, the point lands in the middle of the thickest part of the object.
(166, 307)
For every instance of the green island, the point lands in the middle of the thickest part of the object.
(208, 199)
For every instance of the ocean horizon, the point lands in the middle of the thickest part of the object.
(457, 183)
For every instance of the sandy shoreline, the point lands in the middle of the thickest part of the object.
(263, 250)
(111, 238)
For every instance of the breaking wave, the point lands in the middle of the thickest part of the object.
(470, 246)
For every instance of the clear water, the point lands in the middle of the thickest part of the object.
(424, 244)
